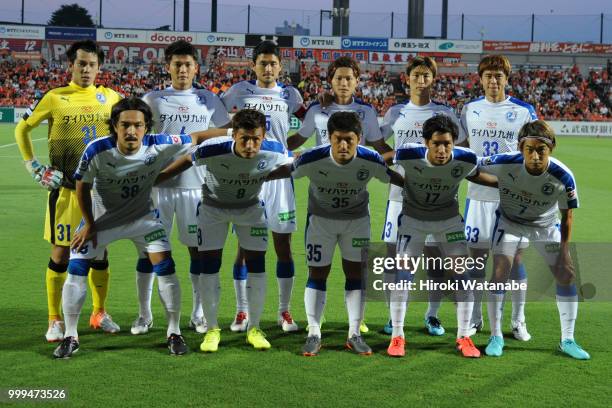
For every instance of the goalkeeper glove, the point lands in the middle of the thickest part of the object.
(46, 176)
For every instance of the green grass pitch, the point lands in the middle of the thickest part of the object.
(136, 370)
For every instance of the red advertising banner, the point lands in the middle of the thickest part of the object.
(570, 48)
(20, 45)
(323, 55)
(508, 46)
(381, 57)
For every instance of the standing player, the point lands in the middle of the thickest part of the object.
(277, 102)
(344, 75)
(120, 170)
(492, 124)
(179, 109)
(433, 173)
(405, 122)
(236, 168)
(76, 113)
(533, 187)
(338, 214)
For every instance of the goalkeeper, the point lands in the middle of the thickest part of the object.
(76, 114)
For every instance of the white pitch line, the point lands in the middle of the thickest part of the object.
(15, 144)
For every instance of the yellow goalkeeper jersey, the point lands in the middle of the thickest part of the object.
(76, 116)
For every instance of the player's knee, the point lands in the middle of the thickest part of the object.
(285, 269)
(566, 277)
(164, 268)
(518, 272)
(60, 254)
(195, 266)
(79, 267)
(317, 284)
(144, 265)
(210, 264)
(99, 265)
(353, 284)
(256, 263)
(57, 267)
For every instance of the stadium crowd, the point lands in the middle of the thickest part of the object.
(556, 94)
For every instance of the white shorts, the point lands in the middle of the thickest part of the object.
(279, 199)
(479, 222)
(184, 203)
(249, 224)
(389, 234)
(509, 237)
(449, 235)
(147, 233)
(322, 235)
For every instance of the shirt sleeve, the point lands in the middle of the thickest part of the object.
(298, 170)
(297, 100)
(463, 122)
(569, 196)
(87, 170)
(220, 116)
(462, 135)
(372, 130)
(229, 97)
(308, 124)
(488, 165)
(39, 111)
(386, 128)
(174, 144)
(381, 172)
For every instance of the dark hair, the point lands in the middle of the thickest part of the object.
(440, 124)
(130, 103)
(344, 122)
(343, 62)
(420, 61)
(266, 47)
(494, 63)
(87, 46)
(180, 47)
(537, 129)
(248, 119)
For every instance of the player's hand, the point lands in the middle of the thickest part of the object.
(564, 267)
(326, 99)
(86, 233)
(51, 178)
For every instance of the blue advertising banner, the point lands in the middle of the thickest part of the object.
(70, 33)
(364, 43)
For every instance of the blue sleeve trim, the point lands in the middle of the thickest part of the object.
(526, 105)
(507, 158)
(410, 153)
(210, 150)
(99, 146)
(272, 146)
(313, 155)
(465, 155)
(563, 176)
(161, 139)
(369, 155)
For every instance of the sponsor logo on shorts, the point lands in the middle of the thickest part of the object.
(360, 242)
(455, 236)
(155, 235)
(193, 229)
(552, 247)
(259, 231)
(286, 216)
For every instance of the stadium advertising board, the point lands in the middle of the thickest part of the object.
(7, 114)
(598, 129)
(20, 45)
(466, 47)
(392, 58)
(570, 48)
(322, 43)
(19, 31)
(506, 46)
(70, 33)
(122, 36)
(168, 37)
(251, 40)
(364, 43)
(322, 55)
(220, 39)
(408, 44)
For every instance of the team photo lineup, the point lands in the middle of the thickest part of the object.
(213, 165)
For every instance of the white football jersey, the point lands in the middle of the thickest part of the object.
(430, 192)
(278, 104)
(339, 191)
(493, 128)
(531, 200)
(183, 112)
(122, 184)
(316, 119)
(232, 181)
(405, 123)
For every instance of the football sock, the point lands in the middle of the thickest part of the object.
(256, 294)
(519, 275)
(195, 267)
(352, 299)
(99, 274)
(314, 302)
(73, 294)
(495, 308)
(170, 294)
(478, 276)
(144, 287)
(567, 304)
(434, 296)
(465, 303)
(55, 277)
(398, 301)
(210, 290)
(285, 272)
(240, 277)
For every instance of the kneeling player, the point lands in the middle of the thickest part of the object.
(532, 186)
(236, 168)
(433, 173)
(121, 169)
(338, 213)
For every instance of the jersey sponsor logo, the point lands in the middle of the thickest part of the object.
(363, 174)
(285, 94)
(155, 235)
(192, 229)
(150, 159)
(101, 98)
(360, 242)
(491, 124)
(323, 173)
(64, 98)
(183, 109)
(259, 231)
(262, 165)
(418, 169)
(175, 139)
(455, 236)
(511, 116)
(83, 165)
(109, 164)
(552, 248)
(477, 113)
(457, 171)
(548, 189)
(226, 166)
(512, 176)
(201, 99)
(286, 216)
(571, 193)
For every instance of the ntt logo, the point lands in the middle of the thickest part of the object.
(168, 38)
(305, 41)
(108, 35)
(346, 42)
(2, 30)
(211, 38)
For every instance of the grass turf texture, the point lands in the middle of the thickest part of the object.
(136, 370)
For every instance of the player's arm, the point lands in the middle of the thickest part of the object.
(281, 172)
(395, 178)
(383, 149)
(176, 167)
(199, 137)
(484, 179)
(88, 230)
(295, 140)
